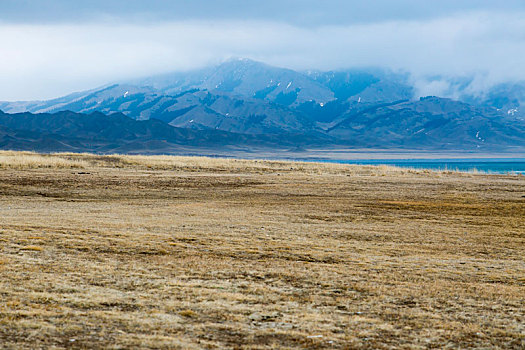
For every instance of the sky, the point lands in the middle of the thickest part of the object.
(49, 48)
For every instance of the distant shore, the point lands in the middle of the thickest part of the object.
(321, 154)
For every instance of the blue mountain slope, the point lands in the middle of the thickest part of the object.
(431, 122)
(97, 132)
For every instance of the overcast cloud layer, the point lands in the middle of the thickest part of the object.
(50, 48)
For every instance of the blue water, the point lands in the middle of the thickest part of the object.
(487, 165)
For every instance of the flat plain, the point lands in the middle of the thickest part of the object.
(163, 252)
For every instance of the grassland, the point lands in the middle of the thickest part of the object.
(171, 252)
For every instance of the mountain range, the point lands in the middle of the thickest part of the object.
(242, 103)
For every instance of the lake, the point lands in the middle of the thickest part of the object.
(488, 165)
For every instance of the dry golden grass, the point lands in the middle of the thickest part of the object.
(180, 252)
(31, 160)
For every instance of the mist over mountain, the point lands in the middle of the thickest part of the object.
(248, 102)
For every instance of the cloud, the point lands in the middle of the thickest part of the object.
(48, 60)
(303, 13)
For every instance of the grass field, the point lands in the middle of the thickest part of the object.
(121, 252)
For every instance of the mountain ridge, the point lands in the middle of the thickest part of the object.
(265, 103)
(100, 133)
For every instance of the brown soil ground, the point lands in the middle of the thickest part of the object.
(169, 252)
